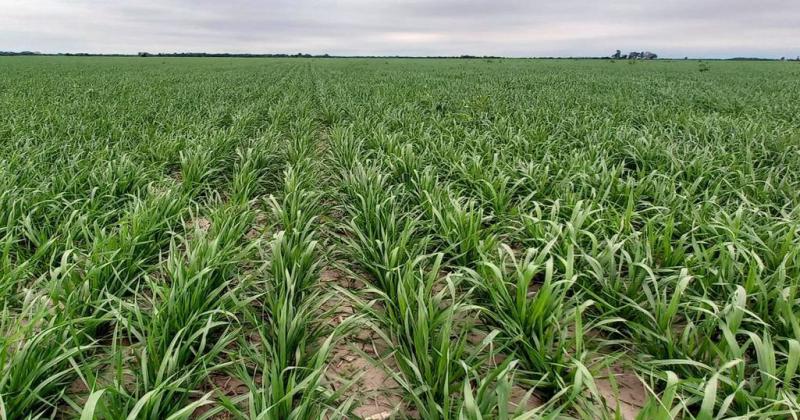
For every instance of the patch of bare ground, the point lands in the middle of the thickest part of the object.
(78, 390)
(629, 394)
(355, 362)
(259, 228)
(220, 383)
(334, 276)
(339, 306)
(176, 175)
(226, 384)
(522, 399)
(218, 416)
(203, 223)
(378, 396)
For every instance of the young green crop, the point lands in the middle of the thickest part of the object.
(181, 238)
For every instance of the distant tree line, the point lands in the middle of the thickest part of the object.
(298, 55)
(248, 55)
(763, 59)
(26, 53)
(20, 53)
(244, 55)
(634, 55)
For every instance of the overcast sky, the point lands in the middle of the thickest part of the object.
(675, 28)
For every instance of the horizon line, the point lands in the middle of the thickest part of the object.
(202, 54)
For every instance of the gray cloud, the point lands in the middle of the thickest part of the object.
(712, 28)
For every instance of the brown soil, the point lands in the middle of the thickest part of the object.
(631, 393)
(355, 362)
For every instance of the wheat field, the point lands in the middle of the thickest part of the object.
(398, 238)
